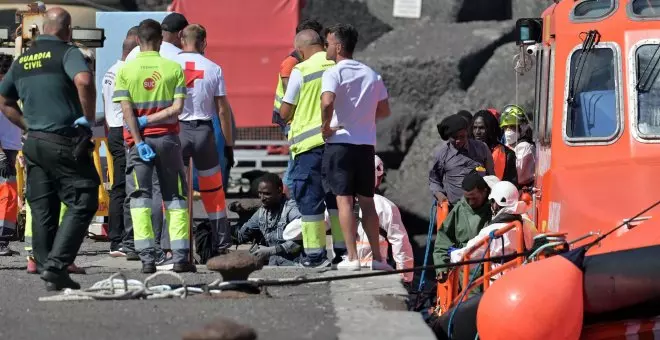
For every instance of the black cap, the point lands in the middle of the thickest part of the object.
(174, 22)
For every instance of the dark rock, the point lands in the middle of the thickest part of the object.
(485, 10)
(500, 70)
(396, 133)
(352, 12)
(445, 11)
(528, 8)
(420, 62)
(152, 5)
(236, 265)
(222, 329)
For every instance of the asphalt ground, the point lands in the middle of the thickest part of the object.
(338, 310)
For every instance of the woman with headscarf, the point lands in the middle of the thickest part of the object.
(486, 128)
(456, 157)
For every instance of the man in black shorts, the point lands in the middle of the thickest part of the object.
(353, 97)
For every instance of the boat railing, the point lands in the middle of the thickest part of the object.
(448, 291)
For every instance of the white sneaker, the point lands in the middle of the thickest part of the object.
(117, 253)
(346, 264)
(375, 265)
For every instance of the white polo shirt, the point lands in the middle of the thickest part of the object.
(357, 89)
(204, 82)
(10, 138)
(114, 117)
(167, 50)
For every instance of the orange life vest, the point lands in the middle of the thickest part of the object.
(499, 159)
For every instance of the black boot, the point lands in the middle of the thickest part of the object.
(148, 268)
(184, 268)
(58, 280)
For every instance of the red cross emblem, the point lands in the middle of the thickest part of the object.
(191, 74)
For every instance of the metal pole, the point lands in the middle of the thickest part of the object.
(190, 212)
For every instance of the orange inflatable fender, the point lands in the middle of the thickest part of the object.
(441, 214)
(539, 301)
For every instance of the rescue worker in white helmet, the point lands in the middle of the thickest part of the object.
(516, 129)
(507, 207)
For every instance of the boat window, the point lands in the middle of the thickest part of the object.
(648, 91)
(593, 114)
(589, 10)
(645, 8)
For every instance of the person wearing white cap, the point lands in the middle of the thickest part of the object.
(507, 207)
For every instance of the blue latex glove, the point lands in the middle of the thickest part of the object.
(146, 153)
(142, 122)
(82, 121)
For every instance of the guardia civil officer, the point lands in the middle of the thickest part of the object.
(58, 96)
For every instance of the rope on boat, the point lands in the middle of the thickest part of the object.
(432, 213)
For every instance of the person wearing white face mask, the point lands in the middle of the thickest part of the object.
(514, 125)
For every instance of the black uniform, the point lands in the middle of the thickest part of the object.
(43, 79)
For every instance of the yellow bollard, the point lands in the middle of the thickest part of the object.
(20, 177)
(104, 198)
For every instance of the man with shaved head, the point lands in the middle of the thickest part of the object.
(172, 30)
(282, 81)
(206, 97)
(301, 106)
(57, 89)
(114, 120)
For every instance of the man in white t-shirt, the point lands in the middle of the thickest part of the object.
(206, 98)
(114, 120)
(172, 27)
(353, 96)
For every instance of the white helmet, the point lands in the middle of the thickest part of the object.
(504, 193)
(380, 168)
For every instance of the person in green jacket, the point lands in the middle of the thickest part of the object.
(470, 214)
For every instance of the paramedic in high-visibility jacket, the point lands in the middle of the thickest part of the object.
(206, 97)
(152, 90)
(301, 106)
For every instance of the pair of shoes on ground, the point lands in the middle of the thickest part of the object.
(130, 255)
(72, 269)
(150, 268)
(354, 265)
(58, 280)
(342, 263)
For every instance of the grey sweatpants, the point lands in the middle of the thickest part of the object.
(171, 175)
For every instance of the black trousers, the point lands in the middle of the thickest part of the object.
(54, 176)
(118, 190)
